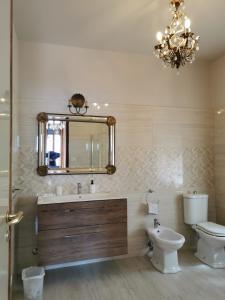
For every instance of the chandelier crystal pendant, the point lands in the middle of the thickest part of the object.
(178, 45)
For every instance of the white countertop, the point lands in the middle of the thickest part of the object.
(51, 199)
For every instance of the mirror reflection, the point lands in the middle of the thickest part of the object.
(76, 144)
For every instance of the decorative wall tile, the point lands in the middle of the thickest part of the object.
(167, 150)
(138, 169)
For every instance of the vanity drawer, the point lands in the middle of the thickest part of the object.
(73, 244)
(77, 214)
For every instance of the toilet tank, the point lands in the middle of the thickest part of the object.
(195, 208)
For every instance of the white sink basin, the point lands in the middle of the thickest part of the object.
(76, 198)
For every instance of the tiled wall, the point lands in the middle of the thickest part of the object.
(166, 149)
(218, 98)
(164, 133)
(220, 168)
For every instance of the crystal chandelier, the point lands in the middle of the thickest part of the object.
(178, 45)
(55, 126)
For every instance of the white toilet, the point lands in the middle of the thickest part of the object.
(165, 242)
(211, 236)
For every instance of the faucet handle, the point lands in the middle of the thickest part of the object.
(156, 222)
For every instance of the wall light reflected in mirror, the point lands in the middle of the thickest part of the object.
(6, 115)
(2, 100)
(4, 97)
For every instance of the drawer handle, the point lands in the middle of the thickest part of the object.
(69, 236)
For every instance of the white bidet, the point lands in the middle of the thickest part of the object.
(166, 242)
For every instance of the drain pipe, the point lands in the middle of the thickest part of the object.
(150, 248)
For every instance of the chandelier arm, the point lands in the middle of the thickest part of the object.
(78, 110)
(70, 109)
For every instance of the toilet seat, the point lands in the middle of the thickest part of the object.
(211, 228)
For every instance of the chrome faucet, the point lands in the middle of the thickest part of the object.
(156, 223)
(79, 188)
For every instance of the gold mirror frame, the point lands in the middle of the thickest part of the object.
(44, 170)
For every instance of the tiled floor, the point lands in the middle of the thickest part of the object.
(134, 279)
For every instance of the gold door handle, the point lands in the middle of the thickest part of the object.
(13, 219)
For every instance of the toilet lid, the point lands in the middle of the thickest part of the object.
(212, 228)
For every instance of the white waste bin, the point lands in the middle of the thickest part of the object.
(33, 279)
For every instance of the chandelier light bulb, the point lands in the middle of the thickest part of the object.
(187, 23)
(159, 36)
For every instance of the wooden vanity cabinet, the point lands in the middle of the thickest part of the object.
(74, 231)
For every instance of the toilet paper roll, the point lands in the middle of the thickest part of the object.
(152, 206)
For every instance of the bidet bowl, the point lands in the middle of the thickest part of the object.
(166, 242)
(166, 238)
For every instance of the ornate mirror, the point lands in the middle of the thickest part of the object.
(75, 144)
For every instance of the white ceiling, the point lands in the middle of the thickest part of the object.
(120, 25)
